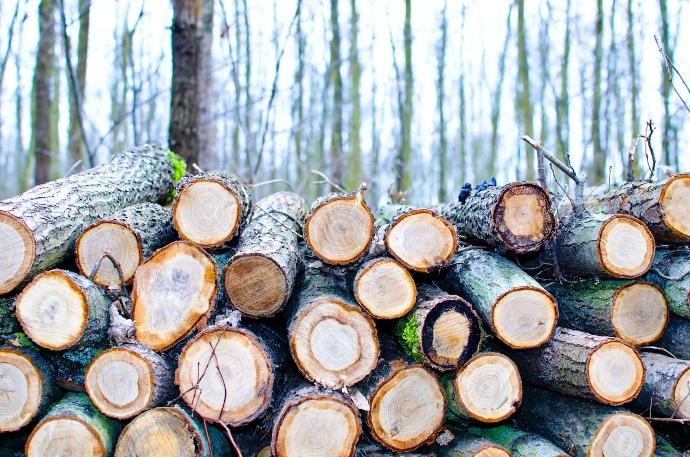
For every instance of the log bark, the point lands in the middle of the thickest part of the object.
(384, 288)
(488, 388)
(125, 381)
(519, 442)
(472, 446)
(172, 292)
(671, 272)
(73, 426)
(211, 208)
(590, 245)
(634, 311)
(9, 325)
(516, 217)
(666, 386)
(129, 236)
(442, 330)
(665, 449)
(578, 364)
(676, 337)
(521, 313)
(339, 228)
(59, 310)
(332, 340)
(373, 450)
(585, 428)
(38, 228)
(264, 270)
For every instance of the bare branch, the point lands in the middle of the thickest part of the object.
(670, 69)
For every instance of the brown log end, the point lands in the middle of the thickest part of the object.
(256, 285)
(615, 373)
(18, 247)
(675, 204)
(625, 246)
(622, 435)
(113, 238)
(64, 435)
(385, 289)
(422, 240)
(525, 317)
(681, 394)
(639, 313)
(21, 390)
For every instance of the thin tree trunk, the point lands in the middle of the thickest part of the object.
(336, 165)
(563, 100)
(463, 111)
(76, 141)
(597, 169)
(207, 126)
(667, 147)
(440, 106)
(634, 79)
(523, 90)
(403, 178)
(248, 102)
(496, 99)
(354, 173)
(298, 106)
(544, 71)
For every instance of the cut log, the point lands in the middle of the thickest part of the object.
(666, 386)
(26, 385)
(129, 237)
(472, 446)
(125, 381)
(676, 337)
(373, 450)
(39, 227)
(314, 422)
(591, 245)
(516, 217)
(488, 389)
(419, 238)
(519, 442)
(170, 431)
(9, 325)
(634, 311)
(339, 228)
(60, 310)
(172, 291)
(332, 340)
(262, 274)
(211, 208)
(582, 365)
(584, 428)
(671, 271)
(384, 288)
(520, 311)
(73, 427)
(442, 330)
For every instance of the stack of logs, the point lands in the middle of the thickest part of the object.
(221, 326)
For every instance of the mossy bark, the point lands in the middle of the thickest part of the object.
(520, 442)
(671, 272)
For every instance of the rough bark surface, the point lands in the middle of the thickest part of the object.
(519, 442)
(671, 272)
(676, 337)
(663, 376)
(9, 325)
(470, 446)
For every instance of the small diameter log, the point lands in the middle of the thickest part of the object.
(332, 340)
(170, 431)
(314, 422)
(339, 228)
(519, 442)
(26, 387)
(520, 311)
(129, 237)
(60, 310)
(603, 245)
(488, 388)
(676, 337)
(582, 365)
(384, 288)
(39, 227)
(671, 272)
(472, 446)
(125, 381)
(74, 427)
(419, 238)
(516, 217)
(172, 291)
(262, 274)
(584, 428)
(211, 208)
(442, 330)
(633, 311)
(666, 386)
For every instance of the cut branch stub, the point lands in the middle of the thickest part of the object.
(210, 208)
(339, 228)
(666, 386)
(384, 288)
(172, 291)
(671, 271)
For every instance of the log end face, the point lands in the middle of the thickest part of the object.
(115, 239)
(492, 451)
(615, 373)
(623, 435)
(256, 285)
(407, 410)
(21, 390)
(675, 205)
(681, 395)
(525, 317)
(18, 248)
(451, 334)
(522, 217)
(626, 247)
(640, 313)
(64, 435)
(385, 289)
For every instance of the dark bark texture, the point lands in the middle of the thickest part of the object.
(662, 375)
(520, 442)
(671, 272)
(676, 337)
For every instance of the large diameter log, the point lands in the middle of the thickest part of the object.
(519, 310)
(60, 310)
(671, 271)
(666, 386)
(676, 337)
(314, 422)
(332, 340)
(578, 364)
(468, 445)
(634, 311)
(125, 381)
(516, 217)
(442, 330)
(339, 228)
(262, 274)
(584, 428)
(74, 427)
(128, 237)
(211, 208)
(519, 442)
(384, 288)
(488, 388)
(39, 227)
(603, 245)
(172, 291)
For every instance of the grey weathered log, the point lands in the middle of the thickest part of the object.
(520, 442)
(671, 272)
(470, 445)
(666, 387)
(676, 337)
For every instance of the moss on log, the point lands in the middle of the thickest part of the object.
(671, 272)
(519, 442)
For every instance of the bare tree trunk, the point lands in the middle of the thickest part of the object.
(597, 169)
(440, 106)
(463, 111)
(403, 178)
(337, 114)
(496, 99)
(354, 172)
(298, 105)
(208, 159)
(634, 81)
(76, 141)
(668, 148)
(563, 100)
(248, 102)
(523, 90)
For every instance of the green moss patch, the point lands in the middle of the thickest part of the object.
(179, 170)
(406, 329)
